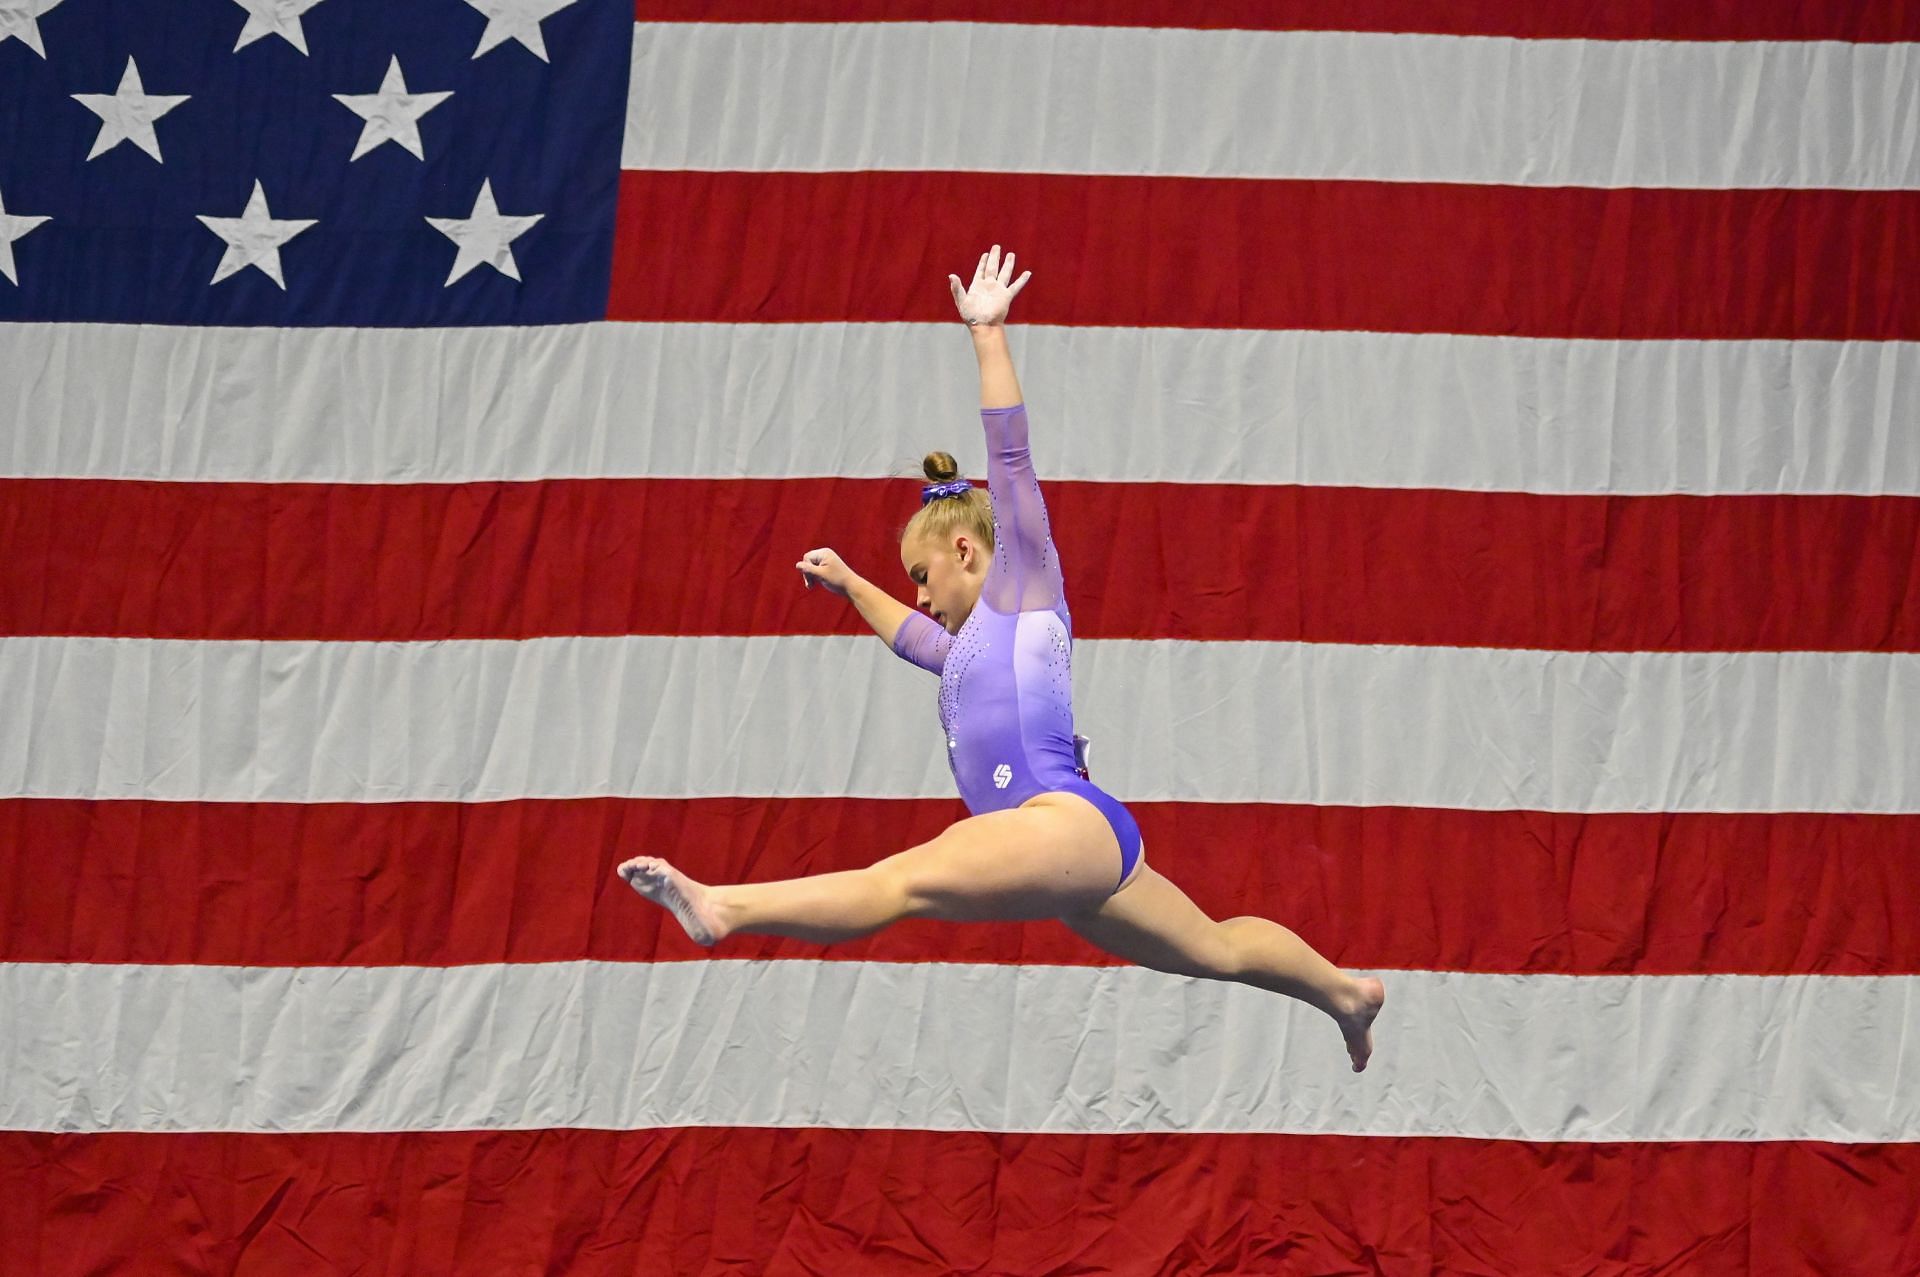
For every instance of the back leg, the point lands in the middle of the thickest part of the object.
(1151, 922)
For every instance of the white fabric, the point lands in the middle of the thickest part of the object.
(1481, 728)
(937, 1046)
(1273, 104)
(867, 400)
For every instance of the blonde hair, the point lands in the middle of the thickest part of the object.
(939, 518)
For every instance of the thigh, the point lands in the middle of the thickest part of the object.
(1036, 861)
(1151, 922)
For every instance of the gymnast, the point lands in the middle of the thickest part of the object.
(1043, 841)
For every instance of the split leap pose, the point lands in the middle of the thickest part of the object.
(1043, 841)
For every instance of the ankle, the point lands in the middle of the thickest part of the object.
(1351, 997)
(723, 906)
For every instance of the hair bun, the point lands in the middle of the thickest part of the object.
(941, 467)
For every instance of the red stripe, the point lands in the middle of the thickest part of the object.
(890, 1202)
(532, 881)
(1216, 253)
(1545, 19)
(1202, 561)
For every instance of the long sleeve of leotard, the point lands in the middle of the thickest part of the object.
(1025, 576)
(921, 640)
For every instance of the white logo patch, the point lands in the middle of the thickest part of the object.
(1002, 776)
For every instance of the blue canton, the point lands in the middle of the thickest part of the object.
(256, 175)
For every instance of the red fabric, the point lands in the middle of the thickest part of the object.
(526, 881)
(842, 1203)
(1217, 253)
(1204, 561)
(1550, 19)
(532, 881)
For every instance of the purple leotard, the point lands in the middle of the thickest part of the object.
(1006, 679)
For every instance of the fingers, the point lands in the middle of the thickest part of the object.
(991, 270)
(991, 266)
(817, 564)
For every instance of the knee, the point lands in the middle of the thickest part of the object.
(895, 881)
(1228, 952)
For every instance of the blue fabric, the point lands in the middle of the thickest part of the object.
(124, 245)
(1125, 829)
(1006, 679)
(1006, 682)
(921, 641)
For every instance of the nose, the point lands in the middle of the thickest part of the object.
(922, 599)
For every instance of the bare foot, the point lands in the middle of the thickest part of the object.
(686, 899)
(1356, 1026)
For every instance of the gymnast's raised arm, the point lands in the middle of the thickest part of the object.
(949, 550)
(1025, 575)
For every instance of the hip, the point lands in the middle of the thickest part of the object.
(1126, 831)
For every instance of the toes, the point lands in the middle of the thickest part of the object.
(640, 868)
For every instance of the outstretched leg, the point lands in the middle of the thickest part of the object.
(1152, 922)
(1056, 854)
(821, 908)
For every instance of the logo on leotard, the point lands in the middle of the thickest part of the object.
(1002, 776)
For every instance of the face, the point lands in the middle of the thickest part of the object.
(946, 575)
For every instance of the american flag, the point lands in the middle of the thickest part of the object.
(1482, 445)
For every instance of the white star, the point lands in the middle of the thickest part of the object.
(22, 18)
(254, 238)
(484, 236)
(516, 20)
(127, 114)
(274, 17)
(12, 228)
(392, 114)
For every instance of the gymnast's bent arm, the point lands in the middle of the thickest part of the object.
(877, 608)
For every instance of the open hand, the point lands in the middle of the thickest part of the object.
(985, 302)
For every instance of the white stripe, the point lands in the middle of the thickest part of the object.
(1273, 104)
(935, 1046)
(1477, 728)
(866, 400)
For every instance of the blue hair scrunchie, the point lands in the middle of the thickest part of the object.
(934, 491)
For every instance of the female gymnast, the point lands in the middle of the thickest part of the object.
(1043, 841)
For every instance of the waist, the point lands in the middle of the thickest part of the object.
(989, 785)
